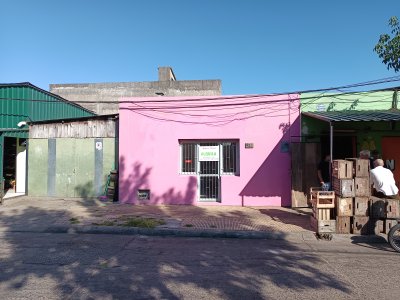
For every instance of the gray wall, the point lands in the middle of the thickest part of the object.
(94, 93)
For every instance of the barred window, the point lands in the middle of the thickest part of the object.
(229, 157)
(192, 161)
(189, 157)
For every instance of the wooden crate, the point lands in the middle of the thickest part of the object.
(322, 199)
(388, 223)
(323, 226)
(343, 187)
(362, 188)
(392, 208)
(377, 208)
(322, 213)
(344, 207)
(342, 169)
(361, 206)
(343, 225)
(361, 225)
(360, 167)
(377, 226)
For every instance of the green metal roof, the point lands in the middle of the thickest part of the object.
(355, 116)
(26, 102)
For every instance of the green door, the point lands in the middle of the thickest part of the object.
(84, 168)
(66, 167)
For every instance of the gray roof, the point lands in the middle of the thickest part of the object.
(355, 116)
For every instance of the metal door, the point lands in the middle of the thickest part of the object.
(209, 174)
(66, 167)
(391, 155)
(305, 158)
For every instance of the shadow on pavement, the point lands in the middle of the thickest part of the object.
(372, 242)
(110, 266)
(298, 218)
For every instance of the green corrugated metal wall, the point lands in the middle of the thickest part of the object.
(19, 103)
(25, 102)
(74, 166)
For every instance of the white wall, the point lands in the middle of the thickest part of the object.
(20, 168)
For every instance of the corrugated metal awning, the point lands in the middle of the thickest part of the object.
(355, 116)
(20, 133)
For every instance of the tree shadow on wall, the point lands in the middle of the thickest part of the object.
(272, 179)
(138, 178)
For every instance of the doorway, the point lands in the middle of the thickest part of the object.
(14, 166)
(391, 155)
(343, 146)
(209, 160)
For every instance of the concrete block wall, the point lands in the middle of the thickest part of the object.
(102, 98)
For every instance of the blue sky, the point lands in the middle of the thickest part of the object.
(253, 46)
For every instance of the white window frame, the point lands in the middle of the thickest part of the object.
(221, 156)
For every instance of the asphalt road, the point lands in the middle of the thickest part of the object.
(98, 266)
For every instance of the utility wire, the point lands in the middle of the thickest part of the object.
(221, 98)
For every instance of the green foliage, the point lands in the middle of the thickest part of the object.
(74, 221)
(105, 223)
(143, 222)
(388, 46)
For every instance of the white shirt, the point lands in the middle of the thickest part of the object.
(383, 181)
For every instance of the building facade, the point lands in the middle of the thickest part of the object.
(102, 98)
(21, 103)
(343, 124)
(72, 157)
(226, 150)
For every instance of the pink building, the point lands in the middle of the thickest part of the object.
(226, 150)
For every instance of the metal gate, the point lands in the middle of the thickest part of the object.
(209, 173)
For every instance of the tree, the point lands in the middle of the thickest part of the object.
(388, 46)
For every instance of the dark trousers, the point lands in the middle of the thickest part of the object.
(382, 195)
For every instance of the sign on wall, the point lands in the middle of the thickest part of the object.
(208, 153)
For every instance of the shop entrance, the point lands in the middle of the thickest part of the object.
(209, 174)
(343, 146)
(209, 161)
(391, 155)
(14, 165)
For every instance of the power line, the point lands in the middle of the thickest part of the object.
(221, 98)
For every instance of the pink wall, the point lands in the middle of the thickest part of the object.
(149, 153)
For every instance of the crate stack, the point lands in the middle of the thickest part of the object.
(323, 204)
(350, 208)
(343, 185)
(384, 214)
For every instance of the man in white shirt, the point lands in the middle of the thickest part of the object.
(383, 181)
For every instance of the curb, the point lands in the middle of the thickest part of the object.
(173, 232)
(304, 236)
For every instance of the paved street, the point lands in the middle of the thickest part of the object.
(96, 266)
(38, 260)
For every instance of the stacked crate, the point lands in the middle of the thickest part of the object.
(323, 203)
(384, 214)
(362, 190)
(343, 185)
(357, 211)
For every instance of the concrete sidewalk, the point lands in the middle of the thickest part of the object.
(29, 214)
